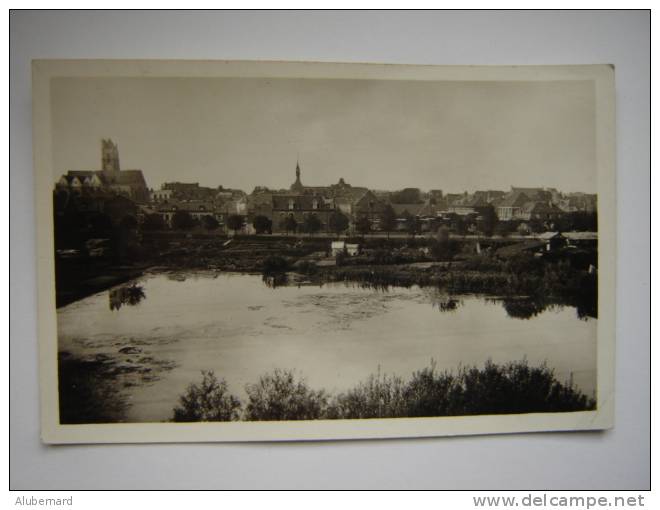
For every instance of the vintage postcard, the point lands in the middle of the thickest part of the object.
(238, 251)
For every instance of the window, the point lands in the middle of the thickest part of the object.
(291, 205)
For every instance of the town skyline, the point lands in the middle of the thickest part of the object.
(284, 188)
(299, 169)
(243, 133)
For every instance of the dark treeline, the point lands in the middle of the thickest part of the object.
(511, 388)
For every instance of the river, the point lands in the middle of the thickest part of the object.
(335, 335)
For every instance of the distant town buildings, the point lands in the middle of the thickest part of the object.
(362, 207)
(110, 179)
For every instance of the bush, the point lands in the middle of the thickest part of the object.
(235, 222)
(274, 264)
(311, 224)
(525, 264)
(443, 250)
(307, 267)
(378, 397)
(338, 222)
(208, 401)
(262, 224)
(494, 389)
(210, 223)
(515, 388)
(510, 388)
(384, 257)
(278, 396)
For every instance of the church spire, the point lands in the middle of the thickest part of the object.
(297, 186)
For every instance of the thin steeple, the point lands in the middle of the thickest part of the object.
(297, 186)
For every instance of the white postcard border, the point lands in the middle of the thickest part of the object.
(53, 432)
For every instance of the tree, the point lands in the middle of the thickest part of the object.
(363, 225)
(182, 220)
(388, 219)
(235, 222)
(487, 221)
(311, 224)
(338, 222)
(209, 222)
(414, 227)
(208, 401)
(407, 196)
(153, 222)
(503, 228)
(289, 223)
(459, 225)
(411, 223)
(442, 236)
(262, 224)
(279, 396)
(441, 248)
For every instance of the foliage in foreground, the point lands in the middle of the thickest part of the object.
(510, 388)
(278, 396)
(208, 401)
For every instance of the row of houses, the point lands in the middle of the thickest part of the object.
(299, 200)
(355, 202)
(521, 204)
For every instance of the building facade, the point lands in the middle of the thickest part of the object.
(110, 179)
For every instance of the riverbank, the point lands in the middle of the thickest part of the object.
(556, 278)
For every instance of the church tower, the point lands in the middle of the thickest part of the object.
(109, 156)
(297, 186)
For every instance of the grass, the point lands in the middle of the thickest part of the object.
(510, 388)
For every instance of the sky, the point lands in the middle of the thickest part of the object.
(382, 134)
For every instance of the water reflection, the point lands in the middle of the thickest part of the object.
(583, 298)
(88, 392)
(587, 306)
(448, 305)
(129, 295)
(275, 280)
(523, 308)
(443, 301)
(529, 307)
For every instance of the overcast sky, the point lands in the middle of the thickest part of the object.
(243, 132)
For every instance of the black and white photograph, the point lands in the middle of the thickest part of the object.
(316, 246)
